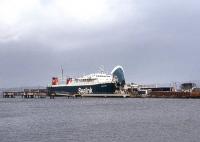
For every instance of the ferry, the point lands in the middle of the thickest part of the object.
(95, 83)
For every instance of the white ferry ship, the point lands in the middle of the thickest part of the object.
(96, 83)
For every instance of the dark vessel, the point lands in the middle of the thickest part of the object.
(97, 83)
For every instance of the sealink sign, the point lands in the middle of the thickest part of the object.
(85, 91)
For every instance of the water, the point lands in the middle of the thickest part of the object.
(99, 120)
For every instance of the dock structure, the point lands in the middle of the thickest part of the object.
(162, 94)
(132, 93)
(27, 93)
(34, 93)
(11, 94)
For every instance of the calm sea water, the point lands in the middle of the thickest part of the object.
(99, 120)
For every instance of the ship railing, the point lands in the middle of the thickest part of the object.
(82, 83)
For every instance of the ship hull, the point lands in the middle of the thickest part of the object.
(106, 88)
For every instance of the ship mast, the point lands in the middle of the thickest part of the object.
(101, 69)
(62, 72)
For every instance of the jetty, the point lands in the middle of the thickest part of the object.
(27, 93)
(12, 94)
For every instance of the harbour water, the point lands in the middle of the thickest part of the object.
(99, 120)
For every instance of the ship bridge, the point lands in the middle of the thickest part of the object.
(118, 72)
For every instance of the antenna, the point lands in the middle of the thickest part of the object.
(101, 69)
(62, 71)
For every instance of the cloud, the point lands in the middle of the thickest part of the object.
(22, 19)
(154, 41)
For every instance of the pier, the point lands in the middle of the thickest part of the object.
(34, 93)
(27, 93)
(43, 93)
(12, 94)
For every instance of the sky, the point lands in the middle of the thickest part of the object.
(154, 41)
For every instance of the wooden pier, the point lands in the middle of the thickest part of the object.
(27, 93)
(11, 94)
(34, 93)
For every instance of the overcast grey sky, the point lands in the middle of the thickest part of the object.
(155, 41)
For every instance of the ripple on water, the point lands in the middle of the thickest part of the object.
(99, 119)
